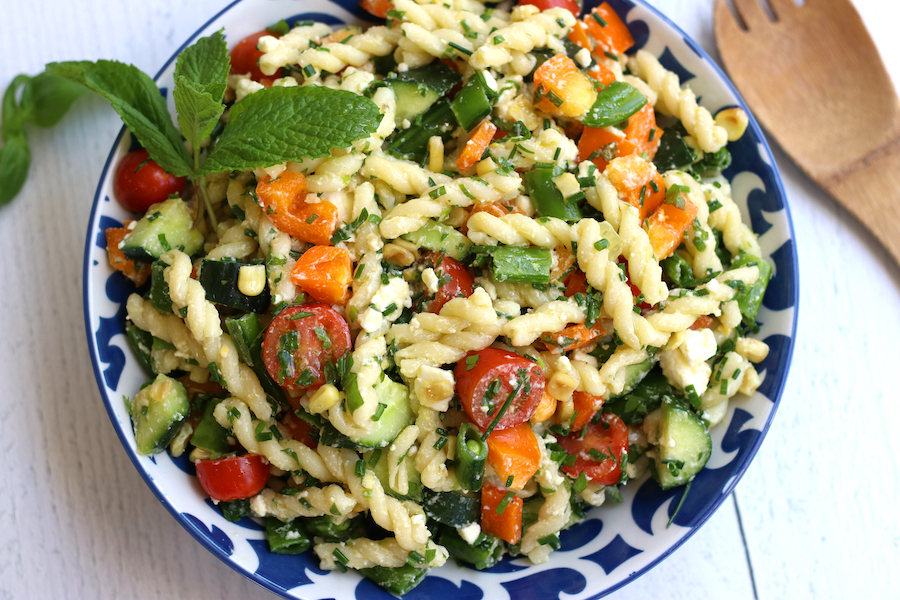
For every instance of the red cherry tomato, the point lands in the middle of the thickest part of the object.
(298, 343)
(245, 57)
(140, 188)
(488, 377)
(635, 290)
(609, 436)
(571, 5)
(454, 281)
(233, 477)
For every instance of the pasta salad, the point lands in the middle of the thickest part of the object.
(434, 288)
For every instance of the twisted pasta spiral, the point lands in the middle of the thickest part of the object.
(678, 102)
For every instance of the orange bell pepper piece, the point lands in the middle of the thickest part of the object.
(586, 406)
(572, 337)
(642, 134)
(603, 74)
(117, 260)
(379, 8)
(545, 409)
(608, 30)
(576, 283)
(667, 226)
(594, 139)
(284, 199)
(579, 36)
(702, 322)
(325, 273)
(506, 524)
(341, 34)
(562, 89)
(638, 183)
(515, 453)
(476, 145)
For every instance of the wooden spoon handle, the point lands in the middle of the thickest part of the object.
(870, 189)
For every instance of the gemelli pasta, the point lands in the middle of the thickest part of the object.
(524, 285)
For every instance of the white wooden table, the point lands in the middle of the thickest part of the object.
(815, 516)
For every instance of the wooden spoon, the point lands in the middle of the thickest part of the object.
(815, 80)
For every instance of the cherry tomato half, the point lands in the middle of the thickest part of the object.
(245, 58)
(140, 188)
(300, 340)
(609, 436)
(233, 477)
(487, 378)
(571, 5)
(454, 281)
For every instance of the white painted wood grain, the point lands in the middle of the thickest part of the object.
(77, 521)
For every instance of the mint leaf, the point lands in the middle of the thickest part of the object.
(205, 65)
(15, 158)
(281, 124)
(17, 110)
(201, 76)
(133, 95)
(53, 96)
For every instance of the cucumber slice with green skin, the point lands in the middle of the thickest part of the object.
(166, 226)
(220, 280)
(634, 374)
(159, 289)
(440, 238)
(380, 468)
(209, 435)
(450, 508)
(397, 581)
(286, 538)
(417, 89)
(157, 412)
(412, 143)
(483, 554)
(141, 342)
(396, 416)
(684, 445)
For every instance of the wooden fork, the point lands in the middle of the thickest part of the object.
(814, 78)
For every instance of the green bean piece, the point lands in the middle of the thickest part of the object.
(516, 264)
(548, 201)
(679, 271)
(397, 581)
(614, 104)
(750, 298)
(471, 454)
(484, 553)
(286, 537)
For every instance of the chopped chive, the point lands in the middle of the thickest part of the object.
(599, 20)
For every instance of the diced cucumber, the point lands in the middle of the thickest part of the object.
(166, 226)
(412, 143)
(634, 374)
(159, 288)
(750, 298)
(396, 416)
(141, 342)
(286, 537)
(642, 400)
(417, 89)
(209, 435)
(397, 581)
(684, 445)
(380, 468)
(220, 280)
(440, 238)
(483, 554)
(157, 412)
(450, 508)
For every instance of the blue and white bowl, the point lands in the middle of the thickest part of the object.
(617, 543)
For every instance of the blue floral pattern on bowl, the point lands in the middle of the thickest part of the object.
(617, 543)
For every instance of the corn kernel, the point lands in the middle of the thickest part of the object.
(435, 154)
(324, 399)
(252, 280)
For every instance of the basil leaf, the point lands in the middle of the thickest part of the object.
(133, 95)
(614, 104)
(53, 96)
(282, 124)
(15, 158)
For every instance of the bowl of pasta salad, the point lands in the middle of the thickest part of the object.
(412, 298)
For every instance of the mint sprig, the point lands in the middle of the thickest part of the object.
(266, 128)
(41, 101)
